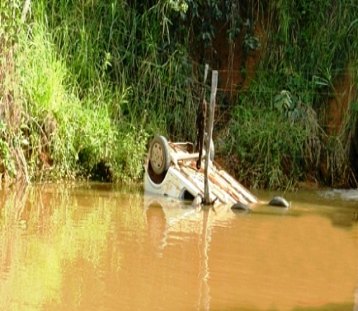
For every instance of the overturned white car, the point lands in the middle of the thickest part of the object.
(171, 170)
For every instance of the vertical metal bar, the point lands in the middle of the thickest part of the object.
(206, 72)
(25, 10)
(209, 134)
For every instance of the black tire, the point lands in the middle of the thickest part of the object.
(159, 156)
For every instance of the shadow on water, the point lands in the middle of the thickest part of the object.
(98, 246)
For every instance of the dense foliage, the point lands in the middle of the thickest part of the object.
(83, 85)
(308, 75)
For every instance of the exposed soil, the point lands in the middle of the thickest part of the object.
(345, 92)
(337, 114)
(235, 64)
(237, 68)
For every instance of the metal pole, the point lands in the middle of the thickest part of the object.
(25, 10)
(206, 72)
(209, 134)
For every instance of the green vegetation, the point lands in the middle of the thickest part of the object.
(297, 119)
(83, 84)
(92, 80)
(276, 151)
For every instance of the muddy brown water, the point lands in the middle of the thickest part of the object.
(100, 247)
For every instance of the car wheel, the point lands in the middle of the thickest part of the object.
(159, 155)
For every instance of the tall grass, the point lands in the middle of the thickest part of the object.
(68, 135)
(311, 46)
(66, 121)
(10, 151)
(267, 146)
(94, 79)
(126, 46)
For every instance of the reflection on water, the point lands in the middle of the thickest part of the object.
(97, 247)
(351, 194)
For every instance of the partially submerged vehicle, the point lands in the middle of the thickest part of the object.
(171, 170)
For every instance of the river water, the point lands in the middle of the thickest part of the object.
(100, 247)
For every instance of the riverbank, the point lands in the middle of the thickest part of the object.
(85, 85)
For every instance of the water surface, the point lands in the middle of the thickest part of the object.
(99, 247)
